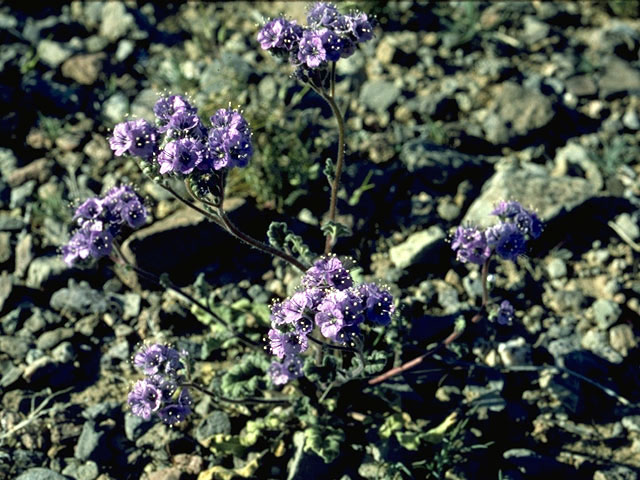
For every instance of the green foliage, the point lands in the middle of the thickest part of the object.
(325, 372)
(625, 8)
(335, 229)
(247, 377)
(620, 151)
(324, 441)
(282, 238)
(329, 170)
(376, 360)
(357, 193)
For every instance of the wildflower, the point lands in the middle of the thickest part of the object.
(328, 272)
(507, 240)
(156, 358)
(286, 343)
(339, 309)
(136, 137)
(361, 27)
(322, 14)
(506, 313)
(175, 412)
(312, 51)
(167, 107)
(289, 369)
(144, 399)
(377, 302)
(470, 245)
(181, 156)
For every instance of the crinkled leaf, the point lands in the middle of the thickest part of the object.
(323, 441)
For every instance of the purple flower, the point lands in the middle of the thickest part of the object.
(300, 309)
(311, 51)
(339, 309)
(100, 243)
(144, 399)
(231, 121)
(166, 107)
(328, 272)
(361, 27)
(470, 245)
(136, 137)
(289, 369)
(508, 210)
(283, 344)
(507, 240)
(181, 156)
(229, 150)
(378, 303)
(89, 209)
(134, 213)
(506, 313)
(175, 412)
(76, 249)
(331, 43)
(322, 14)
(157, 358)
(271, 35)
(183, 124)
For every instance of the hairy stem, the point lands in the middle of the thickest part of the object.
(339, 165)
(240, 235)
(156, 279)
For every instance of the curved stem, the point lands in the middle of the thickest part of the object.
(248, 400)
(156, 279)
(416, 361)
(339, 164)
(240, 235)
(189, 186)
(191, 205)
(485, 292)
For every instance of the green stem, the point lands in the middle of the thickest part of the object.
(339, 165)
(240, 235)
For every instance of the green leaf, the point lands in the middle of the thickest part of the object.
(376, 361)
(335, 229)
(323, 441)
(247, 377)
(329, 170)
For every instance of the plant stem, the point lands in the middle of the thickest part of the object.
(240, 235)
(156, 279)
(339, 164)
(248, 400)
(416, 361)
(327, 345)
(485, 292)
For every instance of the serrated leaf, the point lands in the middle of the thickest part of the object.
(323, 441)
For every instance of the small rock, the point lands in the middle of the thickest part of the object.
(37, 170)
(52, 53)
(78, 298)
(516, 351)
(11, 224)
(557, 268)
(534, 29)
(88, 445)
(125, 48)
(622, 339)
(116, 107)
(84, 69)
(50, 339)
(630, 120)
(379, 95)
(6, 287)
(5, 246)
(628, 225)
(116, 21)
(135, 427)
(82, 471)
(617, 472)
(63, 353)
(596, 342)
(415, 248)
(581, 86)
(170, 473)
(24, 254)
(619, 79)
(39, 473)
(14, 346)
(606, 313)
(44, 269)
(21, 194)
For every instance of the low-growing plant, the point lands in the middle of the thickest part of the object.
(336, 333)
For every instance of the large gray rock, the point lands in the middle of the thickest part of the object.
(619, 79)
(41, 474)
(116, 21)
(415, 248)
(516, 111)
(379, 95)
(533, 186)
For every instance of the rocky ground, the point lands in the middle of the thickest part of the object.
(452, 107)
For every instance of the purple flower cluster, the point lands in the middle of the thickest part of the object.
(330, 302)
(508, 238)
(180, 143)
(100, 220)
(328, 36)
(160, 392)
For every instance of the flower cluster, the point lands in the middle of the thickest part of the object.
(160, 391)
(328, 37)
(330, 302)
(180, 143)
(100, 220)
(508, 238)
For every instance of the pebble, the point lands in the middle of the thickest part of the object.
(413, 250)
(39, 473)
(557, 268)
(44, 269)
(88, 445)
(622, 339)
(516, 351)
(53, 53)
(116, 107)
(379, 95)
(606, 313)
